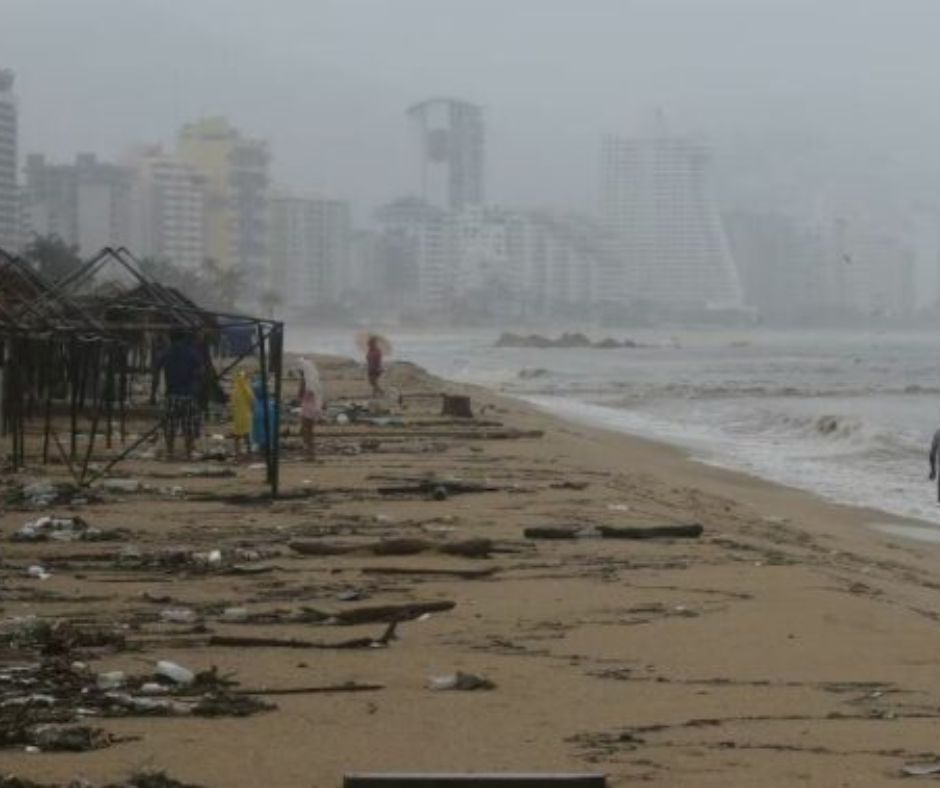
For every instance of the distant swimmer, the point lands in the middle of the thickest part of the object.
(934, 451)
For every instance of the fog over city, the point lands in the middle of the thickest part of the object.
(817, 118)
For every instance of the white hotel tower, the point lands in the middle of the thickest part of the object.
(9, 196)
(667, 238)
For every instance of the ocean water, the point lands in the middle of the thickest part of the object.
(847, 416)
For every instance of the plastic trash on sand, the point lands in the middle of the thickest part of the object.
(59, 529)
(175, 673)
(38, 572)
(465, 682)
(179, 615)
(924, 769)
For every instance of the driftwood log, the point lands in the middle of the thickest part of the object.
(552, 532)
(324, 689)
(463, 574)
(467, 548)
(245, 642)
(391, 613)
(691, 531)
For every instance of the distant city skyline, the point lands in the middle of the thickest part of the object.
(325, 76)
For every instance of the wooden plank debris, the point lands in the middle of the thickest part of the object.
(692, 531)
(463, 574)
(489, 780)
(552, 532)
(466, 548)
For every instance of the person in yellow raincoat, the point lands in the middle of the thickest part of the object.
(241, 403)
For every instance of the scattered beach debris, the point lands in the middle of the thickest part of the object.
(64, 529)
(145, 779)
(45, 704)
(227, 559)
(52, 737)
(42, 493)
(465, 682)
(30, 633)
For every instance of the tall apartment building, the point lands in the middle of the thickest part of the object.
(484, 269)
(451, 152)
(237, 202)
(561, 257)
(169, 208)
(664, 226)
(86, 204)
(417, 246)
(782, 265)
(489, 262)
(9, 195)
(310, 251)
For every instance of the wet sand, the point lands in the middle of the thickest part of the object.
(792, 642)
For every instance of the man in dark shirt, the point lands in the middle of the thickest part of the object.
(182, 367)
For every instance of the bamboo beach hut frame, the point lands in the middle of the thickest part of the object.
(76, 347)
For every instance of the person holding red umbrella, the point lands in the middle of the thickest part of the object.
(374, 368)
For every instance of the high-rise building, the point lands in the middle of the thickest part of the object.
(524, 264)
(561, 257)
(169, 208)
(417, 246)
(86, 204)
(237, 204)
(310, 243)
(451, 150)
(9, 195)
(782, 264)
(666, 234)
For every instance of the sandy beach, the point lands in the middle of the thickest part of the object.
(792, 642)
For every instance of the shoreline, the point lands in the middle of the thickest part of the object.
(789, 642)
(566, 412)
(710, 471)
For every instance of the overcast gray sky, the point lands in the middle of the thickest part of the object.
(776, 85)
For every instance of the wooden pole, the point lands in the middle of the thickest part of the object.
(265, 401)
(277, 353)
